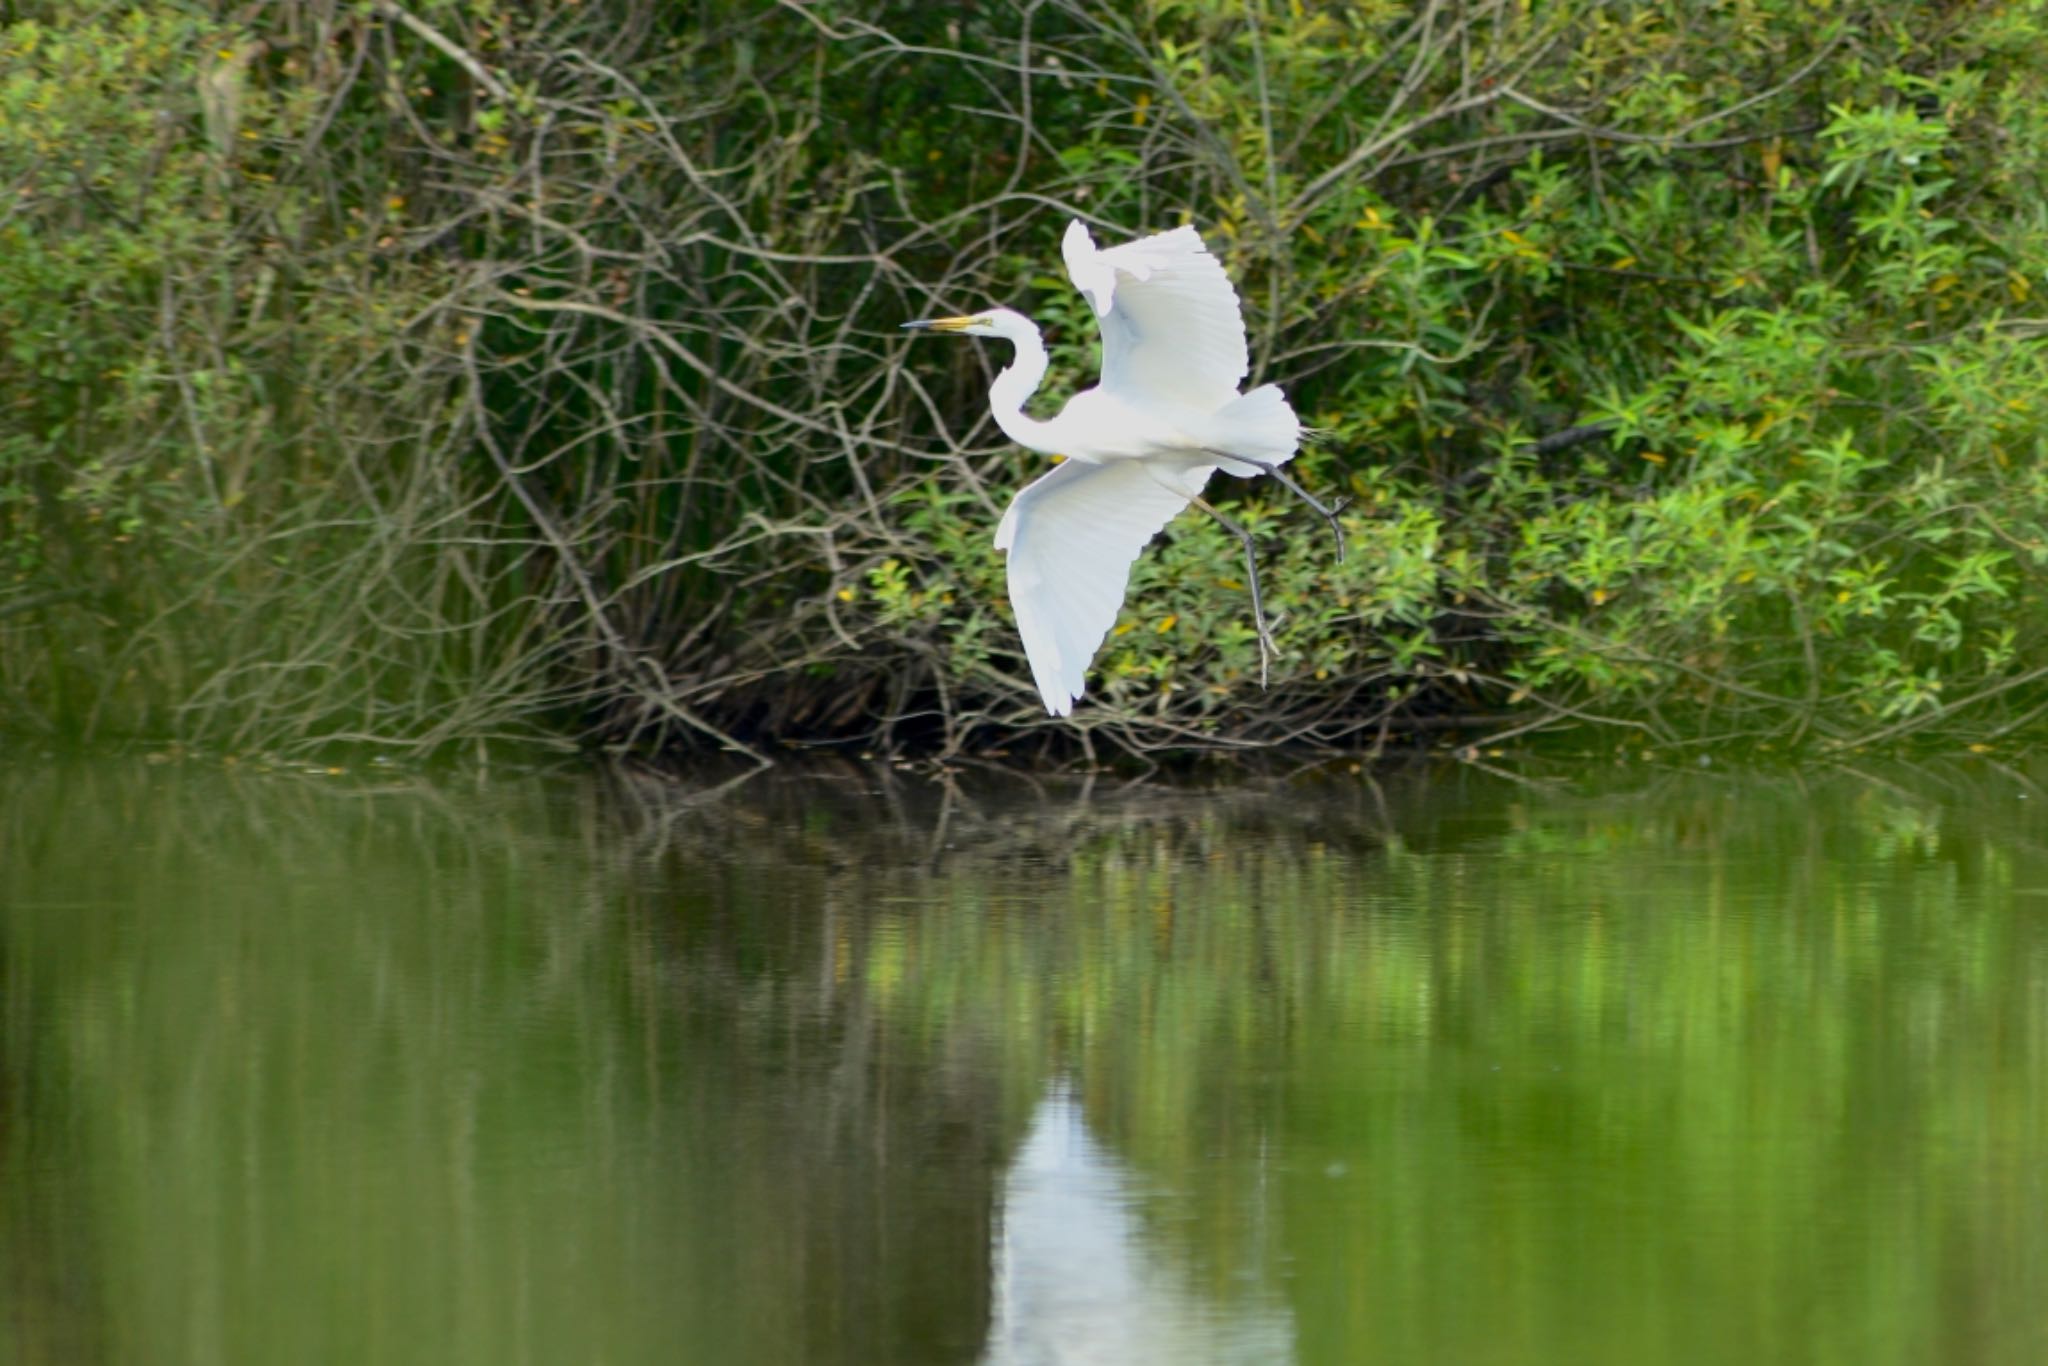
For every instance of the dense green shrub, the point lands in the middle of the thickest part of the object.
(1773, 260)
(451, 370)
(230, 472)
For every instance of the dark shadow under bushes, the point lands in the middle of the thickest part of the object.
(428, 374)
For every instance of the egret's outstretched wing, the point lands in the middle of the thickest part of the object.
(1171, 327)
(1071, 537)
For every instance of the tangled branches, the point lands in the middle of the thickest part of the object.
(438, 374)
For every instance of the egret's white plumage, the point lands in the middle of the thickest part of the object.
(1139, 446)
(1072, 536)
(1171, 329)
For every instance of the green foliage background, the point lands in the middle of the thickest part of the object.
(425, 374)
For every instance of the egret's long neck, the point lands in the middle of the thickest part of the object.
(1015, 384)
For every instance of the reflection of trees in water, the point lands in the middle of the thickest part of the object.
(1658, 969)
(460, 1039)
(898, 937)
(783, 1043)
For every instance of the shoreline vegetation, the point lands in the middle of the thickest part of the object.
(431, 374)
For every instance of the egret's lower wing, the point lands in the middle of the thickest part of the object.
(1071, 537)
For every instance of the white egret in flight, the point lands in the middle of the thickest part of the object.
(1139, 446)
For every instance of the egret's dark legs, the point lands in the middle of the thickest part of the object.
(1327, 513)
(1267, 649)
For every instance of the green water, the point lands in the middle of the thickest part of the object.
(863, 1067)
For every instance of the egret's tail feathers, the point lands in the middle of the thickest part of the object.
(1259, 424)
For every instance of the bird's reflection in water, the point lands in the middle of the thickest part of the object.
(1081, 1280)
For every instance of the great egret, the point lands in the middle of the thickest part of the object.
(1138, 447)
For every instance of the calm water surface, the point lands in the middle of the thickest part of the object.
(857, 1066)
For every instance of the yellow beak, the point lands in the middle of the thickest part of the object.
(941, 325)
